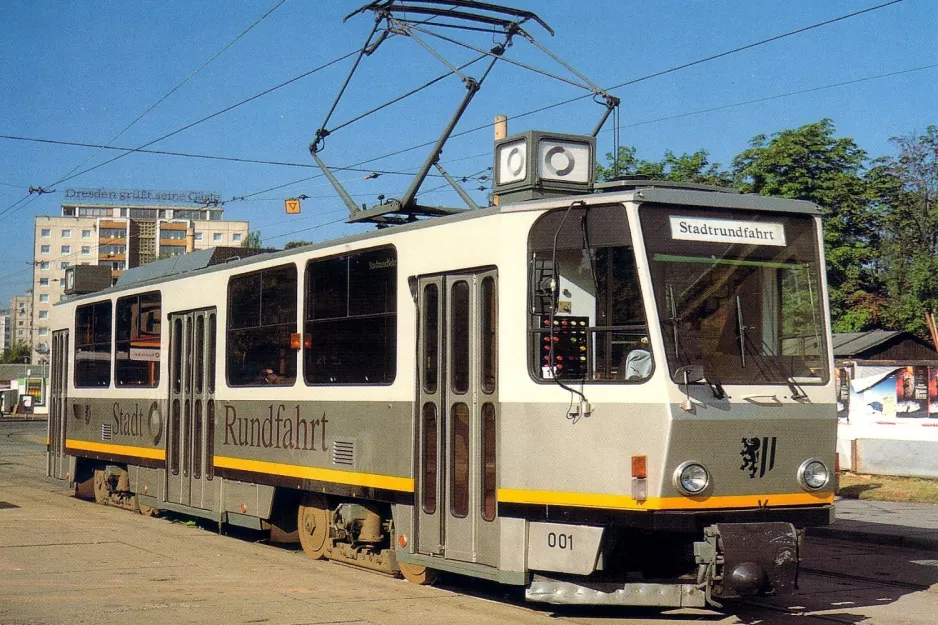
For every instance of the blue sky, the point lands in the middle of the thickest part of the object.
(82, 71)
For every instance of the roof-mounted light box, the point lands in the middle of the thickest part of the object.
(536, 164)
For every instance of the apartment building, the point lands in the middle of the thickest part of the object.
(4, 329)
(98, 228)
(20, 319)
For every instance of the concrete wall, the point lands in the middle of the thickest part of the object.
(894, 457)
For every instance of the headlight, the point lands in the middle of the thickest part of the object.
(813, 474)
(691, 478)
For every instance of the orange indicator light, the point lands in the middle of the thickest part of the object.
(639, 466)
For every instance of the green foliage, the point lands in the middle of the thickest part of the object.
(694, 167)
(810, 163)
(253, 240)
(907, 187)
(16, 353)
(292, 244)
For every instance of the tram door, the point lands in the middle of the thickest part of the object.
(191, 442)
(57, 464)
(457, 412)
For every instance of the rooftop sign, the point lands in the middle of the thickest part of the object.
(148, 196)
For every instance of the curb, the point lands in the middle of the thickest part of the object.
(887, 537)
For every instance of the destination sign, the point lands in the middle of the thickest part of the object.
(727, 231)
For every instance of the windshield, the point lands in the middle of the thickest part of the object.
(738, 292)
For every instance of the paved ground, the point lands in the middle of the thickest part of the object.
(883, 522)
(63, 560)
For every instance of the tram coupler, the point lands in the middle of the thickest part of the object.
(744, 559)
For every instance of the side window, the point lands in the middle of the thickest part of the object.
(261, 320)
(591, 325)
(351, 319)
(93, 345)
(137, 340)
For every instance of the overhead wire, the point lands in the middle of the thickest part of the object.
(128, 151)
(207, 117)
(154, 105)
(488, 125)
(180, 84)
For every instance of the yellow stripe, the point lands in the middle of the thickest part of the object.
(624, 502)
(123, 450)
(387, 482)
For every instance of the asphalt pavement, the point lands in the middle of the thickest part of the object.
(884, 523)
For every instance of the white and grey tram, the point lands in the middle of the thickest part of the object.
(620, 397)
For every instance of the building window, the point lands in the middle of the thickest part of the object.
(86, 234)
(112, 233)
(172, 250)
(43, 281)
(93, 345)
(44, 266)
(85, 250)
(216, 236)
(43, 314)
(137, 341)
(236, 237)
(45, 232)
(65, 264)
(43, 331)
(45, 249)
(66, 249)
(66, 233)
(261, 320)
(117, 265)
(43, 298)
(176, 235)
(351, 318)
(198, 236)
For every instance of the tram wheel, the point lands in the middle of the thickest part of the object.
(146, 510)
(101, 489)
(418, 574)
(312, 522)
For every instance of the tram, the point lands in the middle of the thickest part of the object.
(617, 394)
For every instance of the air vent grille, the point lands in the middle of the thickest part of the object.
(343, 452)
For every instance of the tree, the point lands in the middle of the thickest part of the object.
(810, 163)
(253, 240)
(694, 167)
(16, 353)
(292, 244)
(906, 186)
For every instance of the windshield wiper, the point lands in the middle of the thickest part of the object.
(674, 321)
(797, 392)
(742, 332)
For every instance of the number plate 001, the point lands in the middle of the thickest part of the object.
(563, 548)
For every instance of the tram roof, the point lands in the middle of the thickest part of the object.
(659, 192)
